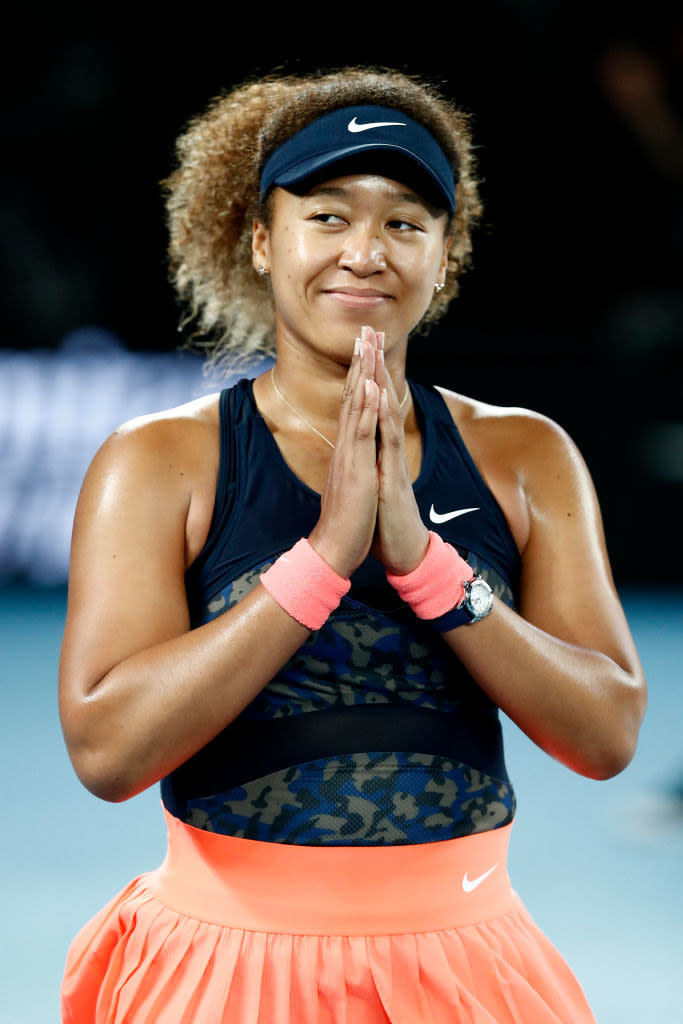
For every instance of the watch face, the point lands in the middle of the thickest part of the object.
(479, 597)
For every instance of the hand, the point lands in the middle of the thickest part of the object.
(344, 532)
(401, 538)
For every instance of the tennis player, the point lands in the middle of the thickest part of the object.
(300, 603)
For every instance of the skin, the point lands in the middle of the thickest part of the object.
(140, 692)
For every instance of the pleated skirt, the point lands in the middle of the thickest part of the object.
(236, 931)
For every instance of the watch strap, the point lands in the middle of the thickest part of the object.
(459, 616)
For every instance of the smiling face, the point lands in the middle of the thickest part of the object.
(358, 249)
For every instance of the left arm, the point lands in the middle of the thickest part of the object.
(565, 668)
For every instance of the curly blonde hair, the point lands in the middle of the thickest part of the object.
(212, 197)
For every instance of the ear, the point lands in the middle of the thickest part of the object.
(441, 278)
(260, 245)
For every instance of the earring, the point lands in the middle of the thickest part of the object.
(262, 271)
(438, 287)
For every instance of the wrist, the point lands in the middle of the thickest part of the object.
(436, 586)
(305, 585)
(331, 554)
(412, 558)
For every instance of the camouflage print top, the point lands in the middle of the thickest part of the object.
(372, 733)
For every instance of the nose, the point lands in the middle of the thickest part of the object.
(363, 253)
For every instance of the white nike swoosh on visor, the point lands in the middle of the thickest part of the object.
(353, 126)
(470, 884)
(437, 517)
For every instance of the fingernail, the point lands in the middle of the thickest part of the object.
(380, 356)
(358, 347)
(367, 385)
(364, 332)
(385, 398)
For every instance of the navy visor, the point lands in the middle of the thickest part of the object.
(348, 135)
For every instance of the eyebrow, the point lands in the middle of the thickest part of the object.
(344, 193)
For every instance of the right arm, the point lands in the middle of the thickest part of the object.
(139, 692)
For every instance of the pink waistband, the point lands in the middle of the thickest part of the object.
(334, 890)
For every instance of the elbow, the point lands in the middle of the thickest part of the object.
(102, 779)
(103, 771)
(102, 763)
(619, 744)
(611, 763)
(113, 790)
(603, 761)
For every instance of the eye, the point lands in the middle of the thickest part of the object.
(403, 226)
(328, 218)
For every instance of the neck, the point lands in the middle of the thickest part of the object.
(313, 382)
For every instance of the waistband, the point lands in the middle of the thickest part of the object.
(334, 890)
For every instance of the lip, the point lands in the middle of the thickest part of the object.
(357, 298)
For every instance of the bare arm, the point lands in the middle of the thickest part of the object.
(565, 669)
(139, 691)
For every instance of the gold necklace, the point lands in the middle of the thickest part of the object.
(307, 422)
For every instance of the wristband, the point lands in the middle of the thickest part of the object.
(304, 585)
(436, 586)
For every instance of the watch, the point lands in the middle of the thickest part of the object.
(476, 603)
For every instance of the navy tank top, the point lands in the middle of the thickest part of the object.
(372, 733)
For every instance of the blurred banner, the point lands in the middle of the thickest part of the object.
(573, 306)
(58, 406)
(56, 409)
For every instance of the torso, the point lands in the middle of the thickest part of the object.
(389, 700)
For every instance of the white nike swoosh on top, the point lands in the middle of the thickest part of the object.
(470, 884)
(353, 126)
(437, 517)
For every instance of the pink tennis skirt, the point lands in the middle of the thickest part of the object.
(237, 931)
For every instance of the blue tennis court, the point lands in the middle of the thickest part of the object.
(603, 880)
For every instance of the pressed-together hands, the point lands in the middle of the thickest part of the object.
(368, 502)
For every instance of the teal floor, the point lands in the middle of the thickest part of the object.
(599, 864)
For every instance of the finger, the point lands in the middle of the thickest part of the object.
(383, 378)
(366, 427)
(353, 407)
(380, 369)
(391, 434)
(362, 363)
(353, 373)
(369, 342)
(392, 452)
(390, 420)
(365, 368)
(350, 390)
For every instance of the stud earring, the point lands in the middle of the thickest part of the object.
(262, 271)
(438, 287)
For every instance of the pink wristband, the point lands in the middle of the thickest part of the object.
(436, 586)
(304, 585)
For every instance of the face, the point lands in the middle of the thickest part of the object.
(359, 249)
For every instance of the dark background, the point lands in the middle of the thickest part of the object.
(574, 304)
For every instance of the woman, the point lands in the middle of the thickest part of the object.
(279, 604)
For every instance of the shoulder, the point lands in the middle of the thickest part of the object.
(513, 424)
(169, 453)
(183, 434)
(170, 425)
(158, 470)
(520, 436)
(528, 460)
